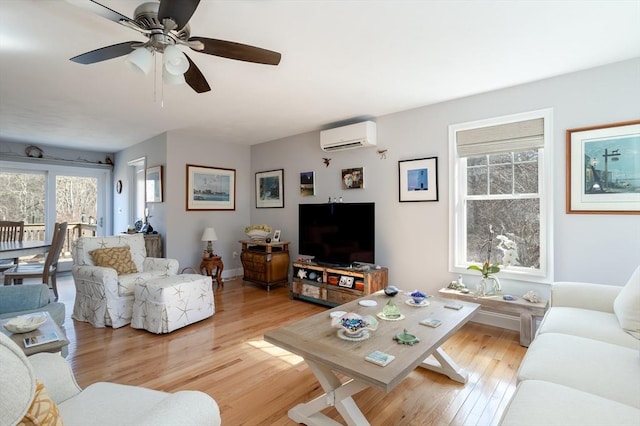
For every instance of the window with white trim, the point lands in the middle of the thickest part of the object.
(501, 195)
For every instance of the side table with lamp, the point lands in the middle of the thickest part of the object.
(209, 259)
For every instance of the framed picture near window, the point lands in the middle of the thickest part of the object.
(418, 179)
(153, 183)
(270, 189)
(210, 188)
(603, 169)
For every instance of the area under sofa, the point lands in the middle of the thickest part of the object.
(583, 367)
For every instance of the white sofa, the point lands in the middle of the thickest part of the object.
(583, 367)
(103, 296)
(42, 387)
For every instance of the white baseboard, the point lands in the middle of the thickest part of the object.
(229, 274)
(509, 322)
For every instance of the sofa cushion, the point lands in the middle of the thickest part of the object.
(600, 368)
(108, 404)
(543, 403)
(118, 258)
(597, 325)
(127, 283)
(627, 305)
(42, 411)
(14, 369)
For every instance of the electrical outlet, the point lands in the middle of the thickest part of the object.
(235, 254)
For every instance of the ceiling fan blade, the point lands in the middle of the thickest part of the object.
(195, 79)
(238, 51)
(101, 10)
(180, 11)
(104, 53)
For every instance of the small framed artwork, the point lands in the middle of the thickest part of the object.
(352, 178)
(210, 188)
(307, 184)
(603, 169)
(270, 189)
(418, 179)
(276, 236)
(153, 183)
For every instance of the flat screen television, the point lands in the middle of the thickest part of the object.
(337, 234)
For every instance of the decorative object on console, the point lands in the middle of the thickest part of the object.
(209, 235)
(531, 296)
(489, 284)
(26, 323)
(270, 189)
(276, 236)
(257, 232)
(418, 179)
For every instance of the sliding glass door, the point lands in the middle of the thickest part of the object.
(42, 195)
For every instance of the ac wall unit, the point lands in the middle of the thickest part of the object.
(356, 135)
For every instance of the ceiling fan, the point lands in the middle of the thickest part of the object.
(165, 24)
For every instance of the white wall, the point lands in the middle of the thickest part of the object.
(184, 228)
(412, 238)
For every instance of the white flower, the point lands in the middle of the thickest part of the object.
(509, 251)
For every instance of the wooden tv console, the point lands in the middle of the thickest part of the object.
(334, 286)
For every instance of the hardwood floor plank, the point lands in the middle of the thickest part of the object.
(256, 383)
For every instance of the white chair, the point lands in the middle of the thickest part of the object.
(104, 296)
(43, 386)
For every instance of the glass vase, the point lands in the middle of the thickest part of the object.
(488, 286)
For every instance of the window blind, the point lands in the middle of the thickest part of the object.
(518, 136)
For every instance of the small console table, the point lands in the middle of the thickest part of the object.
(526, 310)
(265, 263)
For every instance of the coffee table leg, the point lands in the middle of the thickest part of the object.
(337, 395)
(445, 365)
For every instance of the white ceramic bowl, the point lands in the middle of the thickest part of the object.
(257, 234)
(25, 323)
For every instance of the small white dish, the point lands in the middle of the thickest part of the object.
(336, 314)
(25, 323)
(368, 303)
(410, 302)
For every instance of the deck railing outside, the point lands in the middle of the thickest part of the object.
(36, 232)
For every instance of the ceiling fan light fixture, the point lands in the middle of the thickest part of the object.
(172, 79)
(175, 62)
(140, 60)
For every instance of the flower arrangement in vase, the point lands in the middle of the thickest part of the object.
(489, 283)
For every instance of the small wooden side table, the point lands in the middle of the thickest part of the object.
(207, 265)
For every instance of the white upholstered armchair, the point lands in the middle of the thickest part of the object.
(105, 272)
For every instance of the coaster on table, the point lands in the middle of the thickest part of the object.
(336, 314)
(431, 322)
(380, 358)
(368, 302)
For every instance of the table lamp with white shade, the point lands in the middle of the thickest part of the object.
(210, 236)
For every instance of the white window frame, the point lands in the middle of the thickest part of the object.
(457, 189)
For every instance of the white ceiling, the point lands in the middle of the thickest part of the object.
(340, 60)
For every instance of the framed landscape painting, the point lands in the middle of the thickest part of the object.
(210, 188)
(603, 169)
(270, 189)
(418, 179)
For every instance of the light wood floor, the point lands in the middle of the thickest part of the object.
(256, 383)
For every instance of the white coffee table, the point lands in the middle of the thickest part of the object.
(317, 342)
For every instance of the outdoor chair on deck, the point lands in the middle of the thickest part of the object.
(46, 270)
(10, 231)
